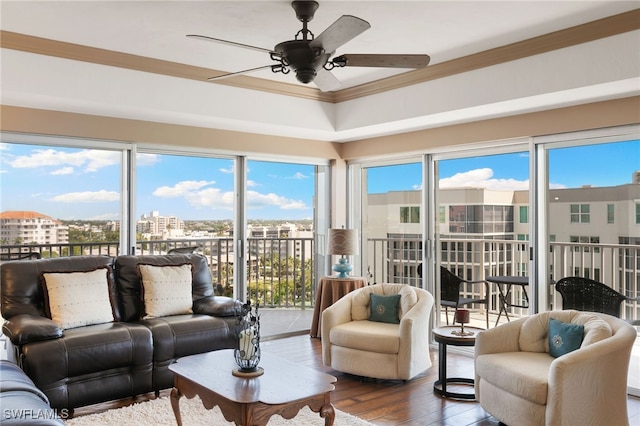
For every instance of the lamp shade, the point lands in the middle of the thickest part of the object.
(343, 242)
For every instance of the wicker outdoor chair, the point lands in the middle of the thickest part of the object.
(584, 294)
(183, 250)
(450, 289)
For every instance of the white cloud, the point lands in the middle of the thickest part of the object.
(202, 194)
(63, 171)
(251, 183)
(146, 159)
(483, 178)
(90, 160)
(257, 200)
(87, 197)
(299, 175)
(181, 189)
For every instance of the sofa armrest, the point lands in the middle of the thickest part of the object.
(336, 314)
(504, 338)
(217, 306)
(23, 329)
(600, 368)
(414, 337)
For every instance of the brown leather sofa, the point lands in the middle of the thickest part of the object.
(85, 365)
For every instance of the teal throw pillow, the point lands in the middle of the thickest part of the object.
(384, 308)
(564, 337)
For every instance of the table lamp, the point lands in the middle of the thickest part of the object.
(462, 316)
(343, 242)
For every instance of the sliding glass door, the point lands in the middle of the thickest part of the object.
(593, 221)
(482, 227)
(392, 222)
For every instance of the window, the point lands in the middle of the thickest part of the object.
(610, 213)
(442, 212)
(524, 214)
(580, 213)
(409, 214)
(637, 213)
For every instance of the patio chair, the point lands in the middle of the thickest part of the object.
(584, 294)
(183, 250)
(450, 289)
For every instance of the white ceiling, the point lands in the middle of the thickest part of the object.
(443, 29)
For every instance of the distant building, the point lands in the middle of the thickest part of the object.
(579, 216)
(27, 227)
(155, 225)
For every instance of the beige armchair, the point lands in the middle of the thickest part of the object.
(353, 344)
(519, 383)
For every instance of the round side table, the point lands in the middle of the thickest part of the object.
(444, 337)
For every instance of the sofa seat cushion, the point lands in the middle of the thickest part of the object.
(505, 371)
(367, 336)
(85, 351)
(181, 335)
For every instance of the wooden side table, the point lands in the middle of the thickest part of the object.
(330, 289)
(444, 337)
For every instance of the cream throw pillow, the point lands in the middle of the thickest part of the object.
(76, 299)
(166, 290)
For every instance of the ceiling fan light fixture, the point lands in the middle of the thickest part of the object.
(306, 75)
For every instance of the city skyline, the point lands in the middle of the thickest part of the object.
(73, 183)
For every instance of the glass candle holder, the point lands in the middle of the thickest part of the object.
(463, 317)
(247, 346)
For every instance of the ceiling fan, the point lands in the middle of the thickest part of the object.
(309, 56)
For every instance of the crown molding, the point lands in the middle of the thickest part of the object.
(606, 27)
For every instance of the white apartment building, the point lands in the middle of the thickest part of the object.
(578, 218)
(28, 227)
(155, 225)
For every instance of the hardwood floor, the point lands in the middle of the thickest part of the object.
(384, 402)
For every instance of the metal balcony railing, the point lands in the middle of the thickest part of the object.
(617, 265)
(280, 271)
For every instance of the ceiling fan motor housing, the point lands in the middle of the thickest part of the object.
(304, 60)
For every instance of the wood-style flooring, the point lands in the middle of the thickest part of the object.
(384, 402)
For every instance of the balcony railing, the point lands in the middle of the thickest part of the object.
(280, 271)
(617, 265)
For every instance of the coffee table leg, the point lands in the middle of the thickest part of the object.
(175, 404)
(328, 414)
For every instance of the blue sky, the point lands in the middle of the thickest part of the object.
(71, 183)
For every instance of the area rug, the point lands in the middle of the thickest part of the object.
(158, 412)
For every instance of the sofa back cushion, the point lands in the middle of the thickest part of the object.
(129, 284)
(21, 281)
(360, 309)
(534, 334)
(76, 299)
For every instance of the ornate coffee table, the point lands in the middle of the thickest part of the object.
(283, 389)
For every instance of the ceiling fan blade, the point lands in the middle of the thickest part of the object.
(344, 29)
(232, 74)
(383, 61)
(232, 43)
(326, 81)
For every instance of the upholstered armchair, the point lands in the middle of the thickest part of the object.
(519, 382)
(377, 342)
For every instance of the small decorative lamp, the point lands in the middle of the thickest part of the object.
(247, 348)
(343, 242)
(462, 316)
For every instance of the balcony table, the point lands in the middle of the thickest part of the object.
(331, 289)
(508, 282)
